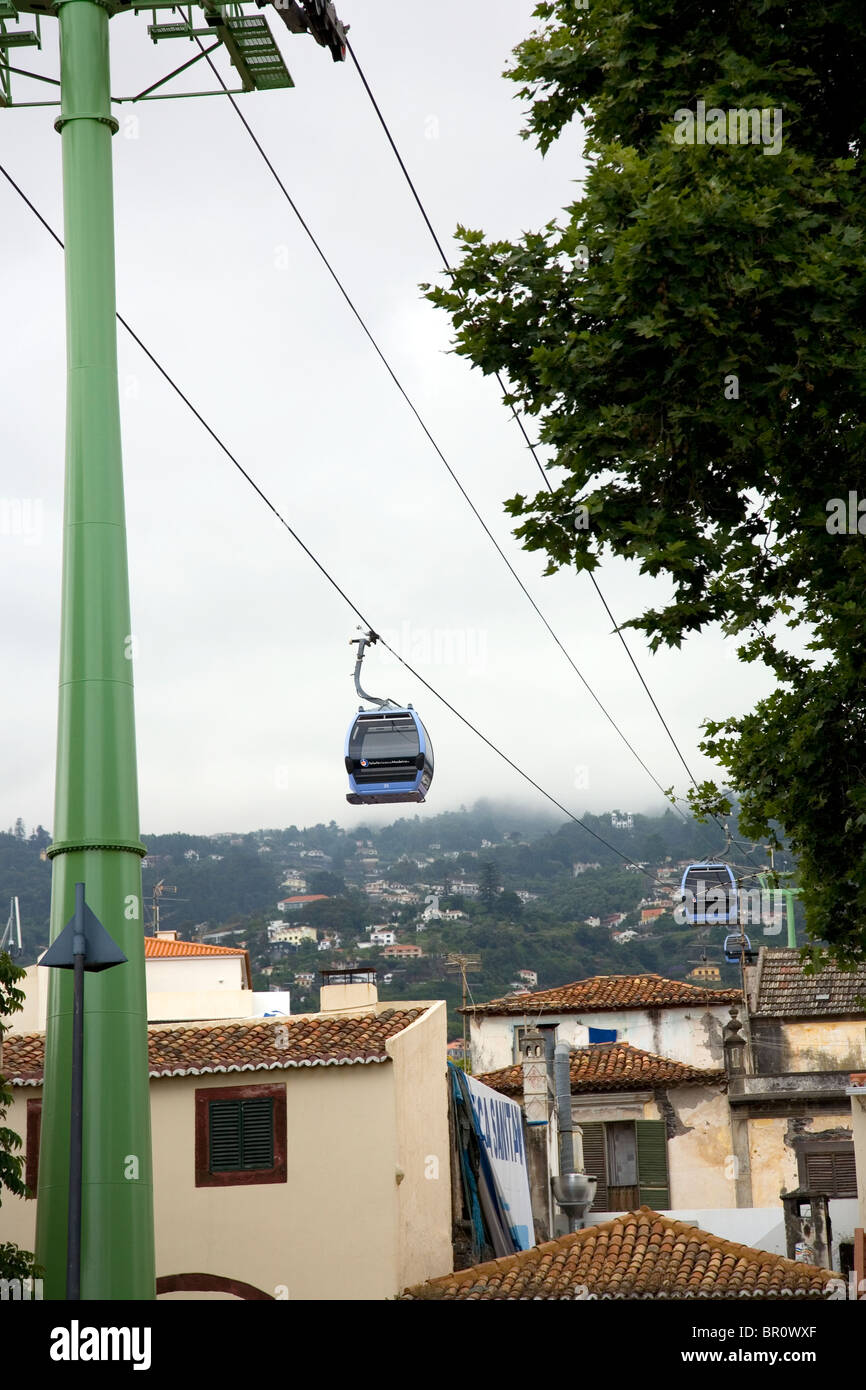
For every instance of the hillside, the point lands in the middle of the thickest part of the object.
(517, 889)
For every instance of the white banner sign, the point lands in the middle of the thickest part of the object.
(500, 1124)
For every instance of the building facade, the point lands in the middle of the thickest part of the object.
(669, 1018)
(300, 1159)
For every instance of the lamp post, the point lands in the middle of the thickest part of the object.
(83, 945)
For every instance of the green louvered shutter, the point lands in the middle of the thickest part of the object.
(225, 1136)
(594, 1162)
(258, 1133)
(652, 1164)
(241, 1135)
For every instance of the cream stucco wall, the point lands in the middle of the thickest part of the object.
(170, 974)
(421, 1103)
(31, 1018)
(692, 1035)
(773, 1162)
(190, 1005)
(329, 1231)
(18, 1215)
(341, 1226)
(200, 987)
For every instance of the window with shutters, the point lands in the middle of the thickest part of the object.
(629, 1159)
(595, 1163)
(828, 1167)
(622, 1165)
(240, 1135)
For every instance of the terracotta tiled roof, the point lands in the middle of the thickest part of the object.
(24, 1058)
(163, 947)
(156, 946)
(322, 1040)
(613, 1066)
(610, 992)
(784, 991)
(639, 1255)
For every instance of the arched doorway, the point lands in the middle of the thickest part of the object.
(209, 1283)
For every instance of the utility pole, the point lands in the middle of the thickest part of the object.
(464, 964)
(155, 902)
(96, 823)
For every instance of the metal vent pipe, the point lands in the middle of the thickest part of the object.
(562, 1087)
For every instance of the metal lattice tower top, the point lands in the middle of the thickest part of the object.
(246, 38)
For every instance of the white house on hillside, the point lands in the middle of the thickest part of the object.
(382, 936)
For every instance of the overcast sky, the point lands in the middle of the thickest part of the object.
(243, 669)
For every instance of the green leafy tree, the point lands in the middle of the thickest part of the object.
(40, 838)
(691, 337)
(15, 1263)
(488, 885)
(332, 885)
(509, 905)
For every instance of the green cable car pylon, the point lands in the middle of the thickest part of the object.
(96, 825)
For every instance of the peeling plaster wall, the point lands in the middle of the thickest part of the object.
(773, 1157)
(818, 1044)
(692, 1035)
(700, 1172)
(699, 1150)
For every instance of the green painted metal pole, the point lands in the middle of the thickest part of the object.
(96, 830)
(792, 927)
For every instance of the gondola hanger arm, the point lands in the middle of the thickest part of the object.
(369, 640)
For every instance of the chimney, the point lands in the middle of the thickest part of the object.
(166, 935)
(351, 989)
(536, 1111)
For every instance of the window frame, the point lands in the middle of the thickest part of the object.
(643, 1141)
(241, 1177)
(31, 1157)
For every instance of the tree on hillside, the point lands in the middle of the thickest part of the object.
(332, 885)
(691, 337)
(15, 1263)
(509, 905)
(39, 838)
(488, 885)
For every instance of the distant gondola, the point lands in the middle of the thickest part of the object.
(388, 753)
(709, 894)
(738, 947)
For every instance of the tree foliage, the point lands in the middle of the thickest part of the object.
(692, 338)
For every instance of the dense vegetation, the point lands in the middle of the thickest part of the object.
(233, 883)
